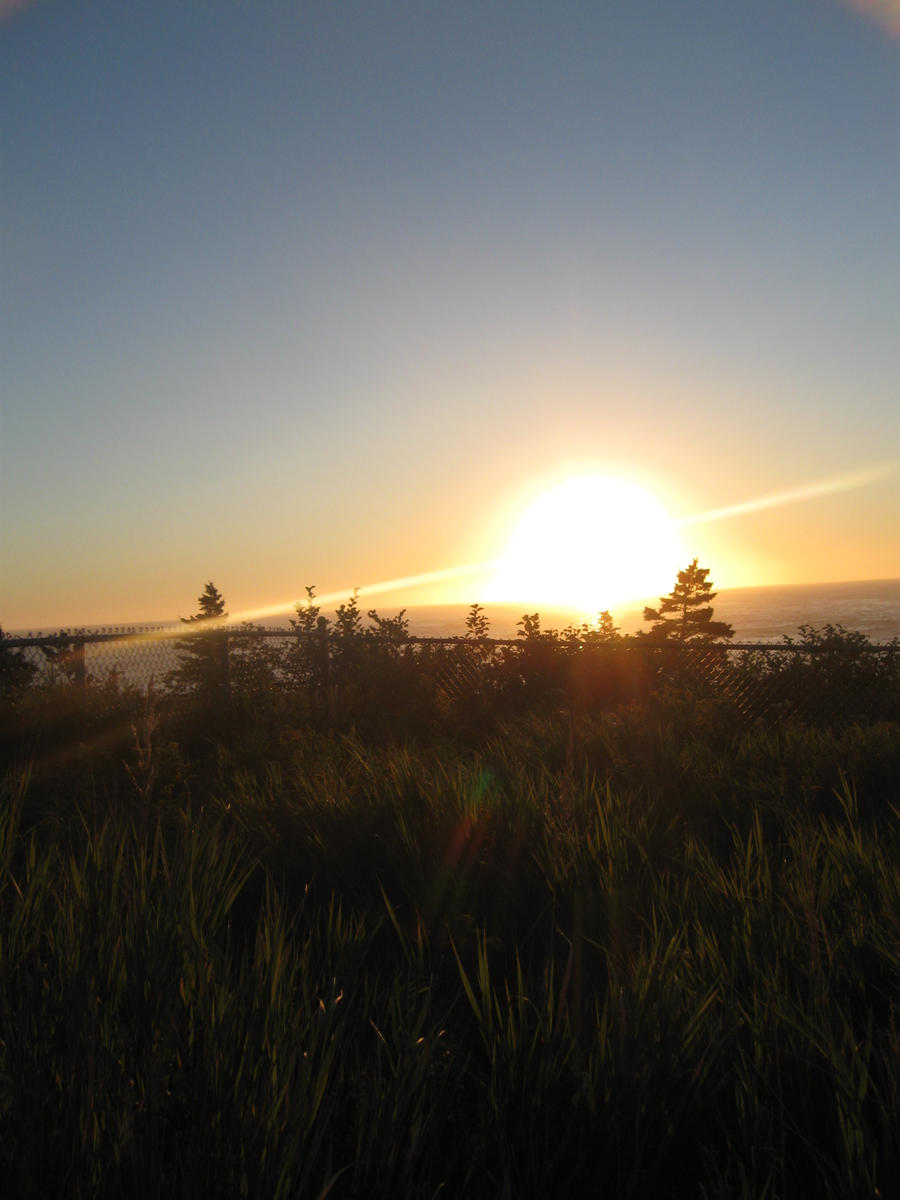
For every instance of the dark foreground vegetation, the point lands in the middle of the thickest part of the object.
(615, 948)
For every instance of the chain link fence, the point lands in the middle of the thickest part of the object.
(829, 676)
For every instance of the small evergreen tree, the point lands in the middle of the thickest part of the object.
(685, 615)
(211, 603)
(203, 659)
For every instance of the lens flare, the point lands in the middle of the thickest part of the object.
(811, 491)
(402, 584)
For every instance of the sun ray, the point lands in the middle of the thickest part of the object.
(401, 584)
(811, 491)
(338, 596)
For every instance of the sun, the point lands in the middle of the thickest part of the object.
(590, 544)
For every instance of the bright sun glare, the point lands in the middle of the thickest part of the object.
(590, 544)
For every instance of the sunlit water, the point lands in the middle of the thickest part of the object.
(761, 614)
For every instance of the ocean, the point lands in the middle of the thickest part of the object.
(758, 614)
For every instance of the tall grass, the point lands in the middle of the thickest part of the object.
(629, 957)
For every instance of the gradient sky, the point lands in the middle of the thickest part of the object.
(329, 292)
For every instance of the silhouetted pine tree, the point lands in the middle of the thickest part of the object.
(203, 658)
(685, 615)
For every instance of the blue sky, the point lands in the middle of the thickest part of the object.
(327, 293)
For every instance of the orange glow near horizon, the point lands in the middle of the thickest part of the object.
(593, 542)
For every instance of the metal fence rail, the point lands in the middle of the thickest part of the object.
(832, 677)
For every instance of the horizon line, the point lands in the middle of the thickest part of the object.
(179, 624)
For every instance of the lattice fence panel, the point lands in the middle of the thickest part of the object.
(821, 683)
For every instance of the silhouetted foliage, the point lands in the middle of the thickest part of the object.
(63, 662)
(255, 665)
(603, 670)
(203, 665)
(389, 631)
(307, 617)
(578, 668)
(307, 662)
(831, 677)
(363, 676)
(685, 615)
(16, 672)
(346, 641)
(534, 671)
(369, 674)
(478, 625)
(604, 632)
